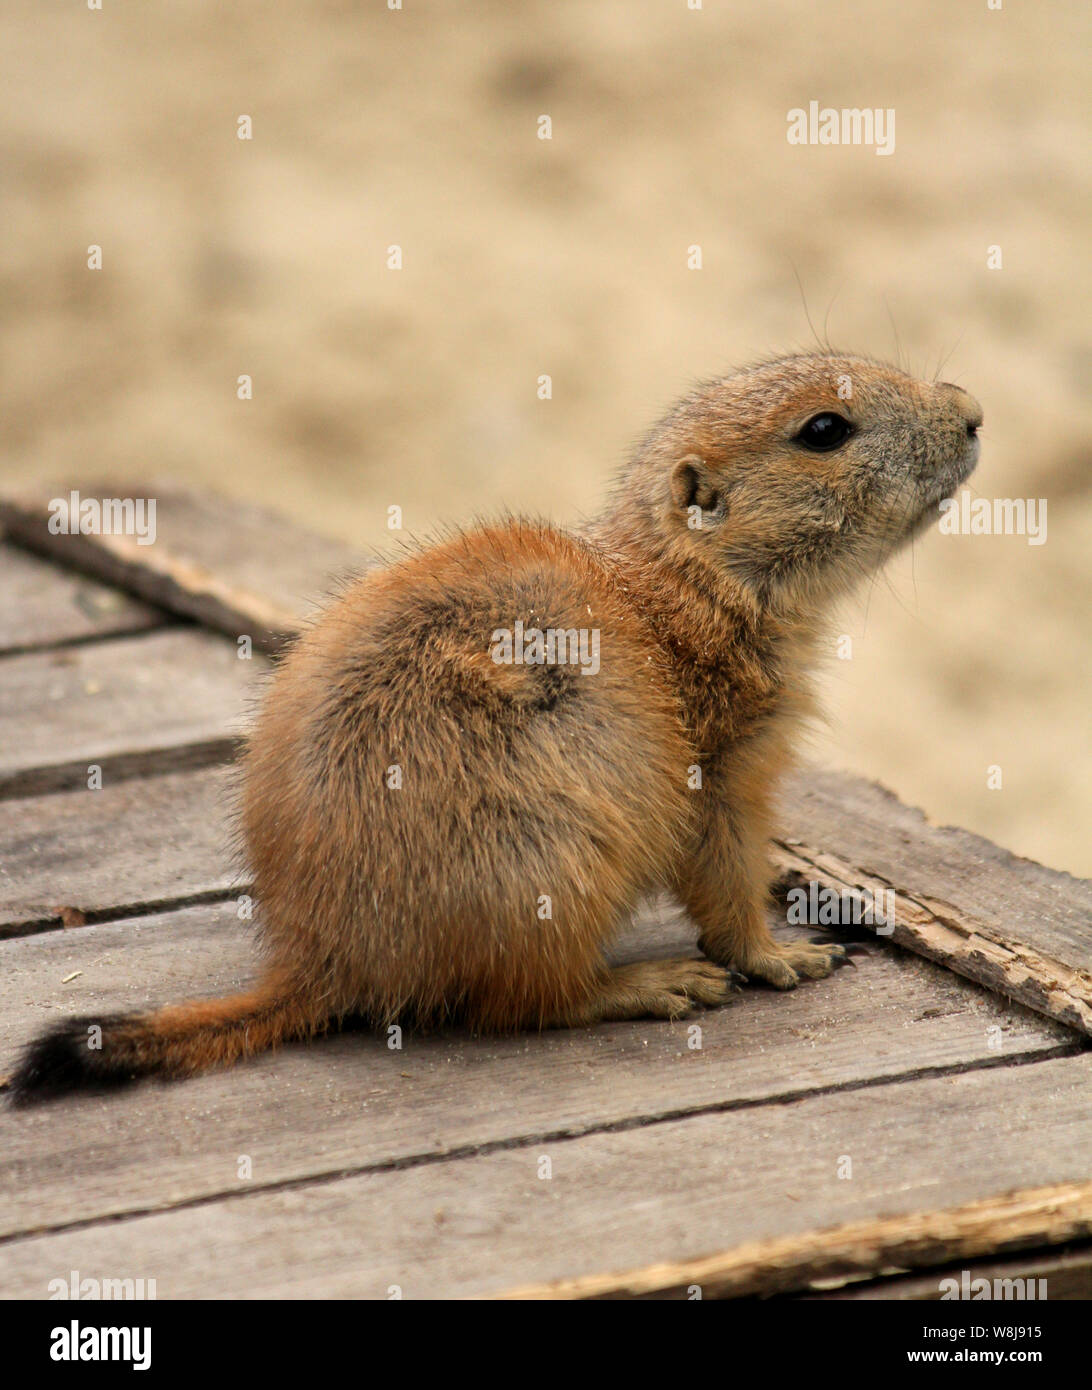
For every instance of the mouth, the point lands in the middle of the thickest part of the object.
(945, 484)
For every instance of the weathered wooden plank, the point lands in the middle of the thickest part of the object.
(1005, 922)
(1061, 1274)
(176, 698)
(350, 1102)
(134, 845)
(1013, 1221)
(44, 605)
(671, 1193)
(236, 567)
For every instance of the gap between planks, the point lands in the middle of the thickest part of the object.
(73, 918)
(168, 699)
(150, 842)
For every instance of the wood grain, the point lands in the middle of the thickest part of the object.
(996, 1225)
(45, 606)
(237, 568)
(133, 845)
(161, 700)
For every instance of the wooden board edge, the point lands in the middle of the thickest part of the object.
(1059, 1273)
(950, 937)
(1030, 1218)
(166, 580)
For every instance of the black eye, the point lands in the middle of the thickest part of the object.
(824, 432)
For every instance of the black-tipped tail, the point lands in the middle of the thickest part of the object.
(95, 1054)
(71, 1056)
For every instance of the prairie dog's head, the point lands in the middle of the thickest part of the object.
(799, 475)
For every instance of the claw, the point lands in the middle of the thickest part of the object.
(839, 955)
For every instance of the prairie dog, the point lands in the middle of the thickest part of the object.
(448, 817)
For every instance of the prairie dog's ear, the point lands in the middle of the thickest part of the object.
(693, 485)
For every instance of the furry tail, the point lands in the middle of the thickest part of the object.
(89, 1053)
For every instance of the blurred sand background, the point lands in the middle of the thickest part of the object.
(569, 257)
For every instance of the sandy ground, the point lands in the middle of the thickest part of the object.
(568, 257)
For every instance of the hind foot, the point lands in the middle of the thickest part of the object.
(657, 989)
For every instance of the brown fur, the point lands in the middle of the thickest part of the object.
(527, 780)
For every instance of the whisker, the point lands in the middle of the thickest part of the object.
(826, 316)
(804, 301)
(944, 360)
(894, 329)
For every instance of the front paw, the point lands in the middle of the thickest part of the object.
(784, 966)
(817, 958)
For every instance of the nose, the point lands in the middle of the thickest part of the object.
(966, 404)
